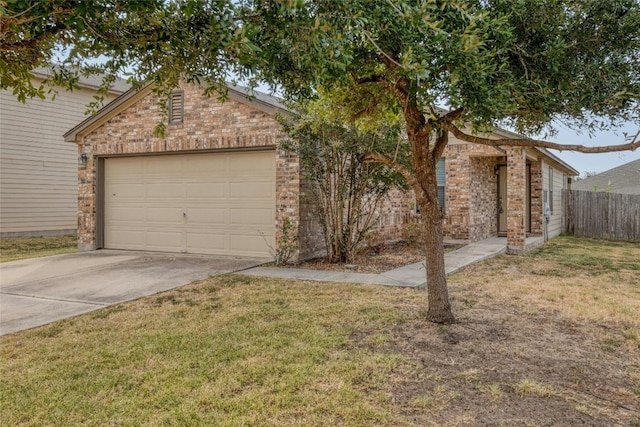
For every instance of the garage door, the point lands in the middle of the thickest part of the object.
(222, 203)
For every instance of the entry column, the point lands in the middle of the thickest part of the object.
(516, 199)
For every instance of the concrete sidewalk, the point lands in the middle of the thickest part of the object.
(412, 275)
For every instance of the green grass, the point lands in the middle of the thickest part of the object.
(231, 351)
(15, 248)
(242, 351)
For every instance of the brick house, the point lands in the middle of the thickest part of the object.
(503, 191)
(217, 184)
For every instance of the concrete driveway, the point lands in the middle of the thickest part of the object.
(38, 291)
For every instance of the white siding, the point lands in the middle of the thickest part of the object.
(38, 170)
(554, 228)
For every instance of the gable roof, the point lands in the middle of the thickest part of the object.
(624, 179)
(266, 103)
(261, 101)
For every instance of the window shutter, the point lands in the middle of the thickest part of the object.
(176, 107)
(441, 178)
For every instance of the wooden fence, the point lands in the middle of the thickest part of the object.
(601, 215)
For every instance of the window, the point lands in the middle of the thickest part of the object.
(176, 107)
(441, 177)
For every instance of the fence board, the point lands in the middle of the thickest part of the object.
(602, 215)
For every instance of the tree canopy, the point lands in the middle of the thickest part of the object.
(143, 40)
(441, 66)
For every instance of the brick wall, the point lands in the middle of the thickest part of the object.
(470, 192)
(483, 211)
(208, 126)
(397, 210)
(457, 191)
(537, 217)
(516, 195)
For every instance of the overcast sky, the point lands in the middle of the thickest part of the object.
(596, 162)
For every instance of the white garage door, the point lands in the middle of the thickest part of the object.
(222, 203)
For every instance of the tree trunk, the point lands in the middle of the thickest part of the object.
(439, 307)
(425, 154)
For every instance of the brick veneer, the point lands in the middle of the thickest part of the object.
(483, 212)
(516, 198)
(470, 191)
(208, 126)
(396, 211)
(537, 227)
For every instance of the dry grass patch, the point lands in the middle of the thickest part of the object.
(237, 351)
(15, 248)
(229, 351)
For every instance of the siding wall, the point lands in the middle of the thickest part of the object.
(554, 228)
(38, 170)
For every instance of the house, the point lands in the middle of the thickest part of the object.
(38, 170)
(503, 191)
(217, 184)
(624, 179)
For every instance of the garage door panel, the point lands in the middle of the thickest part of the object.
(253, 163)
(164, 216)
(165, 191)
(118, 214)
(207, 190)
(126, 166)
(215, 217)
(165, 239)
(125, 190)
(251, 190)
(129, 238)
(228, 198)
(251, 218)
(163, 166)
(208, 243)
(207, 165)
(247, 243)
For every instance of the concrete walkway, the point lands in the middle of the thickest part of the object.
(412, 275)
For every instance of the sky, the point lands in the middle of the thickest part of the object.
(595, 162)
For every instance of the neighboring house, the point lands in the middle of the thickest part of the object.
(217, 184)
(38, 170)
(624, 179)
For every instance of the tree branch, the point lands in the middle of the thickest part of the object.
(381, 158)
(31, 43)
(527, 142)
(453, 115)
(440, 145)
(366, 33)
(372, 79)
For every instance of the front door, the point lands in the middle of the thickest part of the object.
(502, 200)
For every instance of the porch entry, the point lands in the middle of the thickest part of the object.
(502, 200)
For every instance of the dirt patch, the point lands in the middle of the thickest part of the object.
(377, 259)
(530, 347)
(498, 366)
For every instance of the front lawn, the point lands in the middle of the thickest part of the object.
(552, 338)
(15, 248)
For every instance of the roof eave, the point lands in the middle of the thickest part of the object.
(105, 113)
(235, 93)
